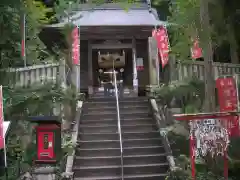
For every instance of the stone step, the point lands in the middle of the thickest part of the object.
(143, 150)
(115, 170)
(144, 159)
(98, 136)
(136, 134)
(113, 99)
(114, 128)
(123, 115)
(98, 129)
(159, 176)
(145, 169)
(98, 152)
(99, 178)
(111, 121)
(98, 155)
(99, 144)
(139, 121)
(98, 160)
(106, 104)
(97, 171)
(102, 112)
(113, 110)
(139, 128)
(130, 160)
(116, 151)
(141, 142)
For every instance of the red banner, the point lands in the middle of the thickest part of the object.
(1, 120)
(23, 29)
(75, 46)
(154, 31)
(228, 101)
(162, 44)
(196, 50)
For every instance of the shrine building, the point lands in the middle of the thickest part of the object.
(110, 33)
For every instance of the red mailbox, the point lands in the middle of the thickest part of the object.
(48, 138)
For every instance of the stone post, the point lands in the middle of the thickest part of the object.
(44, 173)
(172, 68)
(153, 54)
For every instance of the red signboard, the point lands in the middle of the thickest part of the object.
(202, 141)
(228, 101)
(162, 44)
(196, 50)
(75, 46)
(48, 146)
(1, 119)
(140, 68)
(139, 64)
(45, 145)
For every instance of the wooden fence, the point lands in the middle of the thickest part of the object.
(190, 69)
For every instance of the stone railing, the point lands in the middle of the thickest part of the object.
(31, 75)
(186, 69)
(68, 172)
(161, 121)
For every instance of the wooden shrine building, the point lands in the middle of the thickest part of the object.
(109, 29)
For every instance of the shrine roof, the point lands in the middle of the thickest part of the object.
(113, 17)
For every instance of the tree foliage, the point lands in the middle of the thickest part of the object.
(11, 13)
(182, 94)
(186, 20)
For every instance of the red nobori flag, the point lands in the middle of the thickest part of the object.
(23, 31)
(162, 43)
(75, 46)
(1, 120)
(228, 101)
(196, 51)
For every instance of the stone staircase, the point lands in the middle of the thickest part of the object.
(98, 156)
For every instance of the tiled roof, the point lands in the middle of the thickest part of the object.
(113, 17)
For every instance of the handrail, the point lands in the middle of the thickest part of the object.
(118, 118)
(160, 118)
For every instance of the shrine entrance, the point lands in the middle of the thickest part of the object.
(113, 55)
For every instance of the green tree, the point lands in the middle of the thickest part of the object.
(212, 22)
(10, 25)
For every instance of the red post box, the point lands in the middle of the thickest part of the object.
(48, 139)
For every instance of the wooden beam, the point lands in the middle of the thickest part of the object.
(117, 33)
(110, 37)
(111, 46)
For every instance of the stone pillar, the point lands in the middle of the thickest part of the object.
(135, 75)
(172, 68)
(75, 77)
(152, 60)
(90, 69)
(62, 73)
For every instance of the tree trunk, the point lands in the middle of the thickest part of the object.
(205, 37)
(233, 43)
